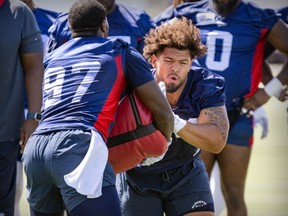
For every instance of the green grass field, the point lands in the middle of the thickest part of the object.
(267, 180)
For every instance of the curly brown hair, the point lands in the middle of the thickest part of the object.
(177, 33)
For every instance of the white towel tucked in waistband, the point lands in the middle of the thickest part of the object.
(87, 178)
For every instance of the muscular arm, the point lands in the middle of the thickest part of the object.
(153, 98)
(266, 72)
(268, 76)
(33, 77)
(210, 133)
(278, 38)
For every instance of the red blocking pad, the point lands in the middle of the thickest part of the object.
(133, 136)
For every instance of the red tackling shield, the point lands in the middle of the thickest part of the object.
(134, 136)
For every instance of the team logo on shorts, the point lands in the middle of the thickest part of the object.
(199, 204)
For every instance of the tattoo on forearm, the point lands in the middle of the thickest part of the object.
(217, 116)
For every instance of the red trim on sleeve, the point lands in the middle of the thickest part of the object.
(257, 64)
(107, 114)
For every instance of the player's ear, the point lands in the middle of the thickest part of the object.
(154, 60)
(104, 27)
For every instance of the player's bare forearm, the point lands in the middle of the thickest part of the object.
(33, 73)
(210, 133)
(278, 38)
(266, 73)
(283, 75)
(152, 97)
(218, 117)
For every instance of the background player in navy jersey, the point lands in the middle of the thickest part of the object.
(21, 56)
(127, 23)
(45, 18)
(274, 56)
(178, 184)
(235, 33)
(270, 54)
(65, 160)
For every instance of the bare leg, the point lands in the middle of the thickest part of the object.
(233, 162)
(209, 160)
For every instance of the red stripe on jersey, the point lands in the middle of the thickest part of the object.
(1, 2)
(107, 114)
(257, 64)
(251, 141)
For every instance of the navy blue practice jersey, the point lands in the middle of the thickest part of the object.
(84, 80)
(129, 24)
(45, 18)
(235, 44)
(188, 9)
(126, 23)
(269, 48)
(203, 90)
(284, 13)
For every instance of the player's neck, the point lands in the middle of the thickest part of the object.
(174, 97)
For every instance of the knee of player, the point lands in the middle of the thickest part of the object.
(235, 197)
